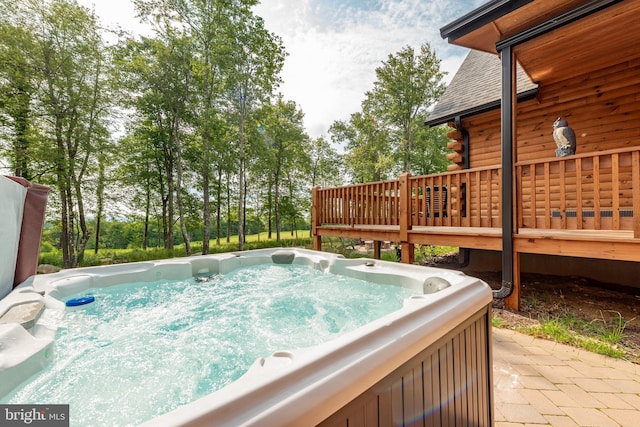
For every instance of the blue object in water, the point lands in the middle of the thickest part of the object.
(74, 302)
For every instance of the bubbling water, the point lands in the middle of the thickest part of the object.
(143, 349)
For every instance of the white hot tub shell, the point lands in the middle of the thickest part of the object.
(429, 362)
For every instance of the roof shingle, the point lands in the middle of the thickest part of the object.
(476, 86)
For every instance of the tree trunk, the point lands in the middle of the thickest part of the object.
(219, 205)
(81, 242)
(276, 200)
(168, 220)
(241, 188)
(179, 178)
(270, 213)
(147, 209)
(228, 209)
(99, 199)
(66, 235)
(206, 211)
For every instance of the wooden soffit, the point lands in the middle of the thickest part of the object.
(604, 38)
(527, 16)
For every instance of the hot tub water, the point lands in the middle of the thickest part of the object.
(144, 349)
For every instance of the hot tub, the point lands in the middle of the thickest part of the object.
(429, 361)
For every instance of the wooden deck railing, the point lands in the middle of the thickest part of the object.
(375, 203)
(469, 198)
(595, 191)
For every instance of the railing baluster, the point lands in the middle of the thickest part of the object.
(596, 193)
(579, 206)
(439, 201)
(478, 191)
(615, 190)
(490, 197)
(547, 196)
(467, 195)
(635, 190)
(499, 188)
(376, 218)
(332, 200)
(533, 170)
(563, 205)
(447, 202)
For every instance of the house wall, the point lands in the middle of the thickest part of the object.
(602, 107)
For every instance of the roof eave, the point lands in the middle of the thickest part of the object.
(477, 18)
(493, 105)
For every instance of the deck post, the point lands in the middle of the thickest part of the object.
(376, 249)
(315, 217)
(405, 218)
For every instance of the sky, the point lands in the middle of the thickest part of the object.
(334, 46)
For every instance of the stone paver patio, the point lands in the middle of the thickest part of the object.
(538, 382)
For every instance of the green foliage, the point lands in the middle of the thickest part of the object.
(426, 254)
(190, 98)
(497, 321)
(430, 150)
(369, 155)
(611, 330)
(569, 329)
(325, 164)
(46, 247)
(54, 66)
(118, 256)
(387, 137)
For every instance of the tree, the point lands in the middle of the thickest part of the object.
(236, 57)
(430, 150)
(206, 22)
(60, 79)
(287, 147)
(18, 85)
(254, 66)
(407, 85)
(325, 163)
(368, 145)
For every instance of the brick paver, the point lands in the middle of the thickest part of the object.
(540, 383)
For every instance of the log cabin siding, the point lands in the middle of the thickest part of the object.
(484, 139)
(603, 108)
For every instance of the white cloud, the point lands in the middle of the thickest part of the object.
(332, 63)
(334, 46)
(117, 14)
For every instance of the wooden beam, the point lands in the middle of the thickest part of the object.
(598, 247)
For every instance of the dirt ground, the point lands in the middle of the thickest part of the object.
(544, 297)
(603, 306)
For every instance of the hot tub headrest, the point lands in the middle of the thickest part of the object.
(283, 257)
(434, 284)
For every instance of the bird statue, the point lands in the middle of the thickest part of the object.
(565, 138)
